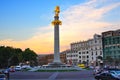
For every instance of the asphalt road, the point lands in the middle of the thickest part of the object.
(79, 75)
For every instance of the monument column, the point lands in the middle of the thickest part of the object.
(56, 24)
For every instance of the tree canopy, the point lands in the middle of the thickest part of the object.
(13, 56)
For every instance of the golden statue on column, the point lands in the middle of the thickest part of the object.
(57, 21)
(57, 11)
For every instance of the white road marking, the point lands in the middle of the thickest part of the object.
(53, 76)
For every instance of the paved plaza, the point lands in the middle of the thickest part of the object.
(79, 75)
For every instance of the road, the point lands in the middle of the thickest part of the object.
(79, 75)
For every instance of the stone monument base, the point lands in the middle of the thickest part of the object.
(56, 64)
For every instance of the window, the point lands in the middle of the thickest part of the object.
(83, 56)
(83, 52)
(79, 61)
(100, 52)
(87, 52)
(92, 53)
(87, 60)
(76, 55)
(95, 41)
(87, 56)
(96, 52)
(92, 58)
(95, 48)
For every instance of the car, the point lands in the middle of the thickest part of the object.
(106, 76)
(115, 73)
(3, 77)
(81, 65)
(97, 71)
(18, 68)
(25, 67)
(11, 70)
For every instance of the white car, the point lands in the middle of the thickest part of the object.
(18, 68)
(26, 67)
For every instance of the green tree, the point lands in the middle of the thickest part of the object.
(13, 56)
(31, 56)
(5, 54)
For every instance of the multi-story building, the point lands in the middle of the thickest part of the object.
(95, 50)
(81, 50)
(72, 57)
(111, 44)
(86, 51)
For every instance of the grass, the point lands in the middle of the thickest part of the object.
(87, 68)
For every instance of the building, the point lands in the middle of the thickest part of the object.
(95, 50)
(88, 52)
(111, 45)
(63, 57)
(72, 57)
(42, 60)
(81, 49)
(48, 58)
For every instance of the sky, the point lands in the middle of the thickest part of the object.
(27, 23)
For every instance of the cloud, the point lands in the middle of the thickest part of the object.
(86, 19)
(79, 22)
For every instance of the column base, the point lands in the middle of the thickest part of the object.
(56, 64)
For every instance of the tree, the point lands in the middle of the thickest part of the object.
(31, 56)
(5, 54)
(10, 56)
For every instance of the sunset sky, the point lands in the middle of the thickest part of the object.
(27, 23)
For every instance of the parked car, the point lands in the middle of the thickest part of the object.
(11, 69)
(97, 71)
(115, 72)
(25, 67)
(18, 68)
(3, 77)
(106, 76)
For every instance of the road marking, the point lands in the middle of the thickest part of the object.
(53, 76)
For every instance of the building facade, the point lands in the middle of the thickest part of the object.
(95, 50)
(87, 52)
(81, 48)
(48, 58)
(72, 57)
(111, 44)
